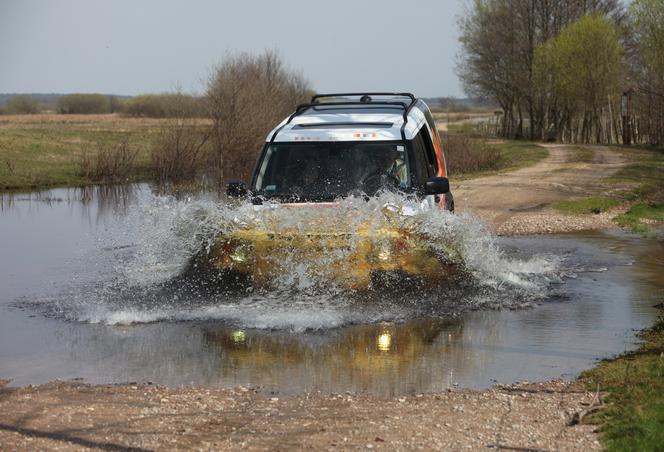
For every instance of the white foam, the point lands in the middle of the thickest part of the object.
(166, 232)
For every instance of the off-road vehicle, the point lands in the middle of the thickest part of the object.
(336, 147)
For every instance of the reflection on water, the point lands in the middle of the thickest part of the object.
(55, 241)
(384, 341)
(384, 358)
(101, 200)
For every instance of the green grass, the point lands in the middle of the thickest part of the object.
(632, 219)
(518, 154)
(586, 205)
(634, 415)
(48, 154)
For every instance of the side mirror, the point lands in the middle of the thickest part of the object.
(437, 186)
(236, 189)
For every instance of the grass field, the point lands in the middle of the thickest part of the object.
(38, 151)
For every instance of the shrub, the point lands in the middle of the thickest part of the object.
(108, 163)
(467, 155)
(180, 151)
(247, 95)
(22, 104)
(84, 104)
(116, 104)
(167, 105)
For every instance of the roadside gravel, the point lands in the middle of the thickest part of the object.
(551, 222)
(74, 416)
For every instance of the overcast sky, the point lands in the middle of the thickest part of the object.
(134, 46)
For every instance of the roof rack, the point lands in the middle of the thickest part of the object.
(323, 96)
(364, 103)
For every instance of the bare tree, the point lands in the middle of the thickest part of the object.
(247, 95)
(647, 70)
(181, 148)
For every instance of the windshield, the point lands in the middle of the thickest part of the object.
(319, 171)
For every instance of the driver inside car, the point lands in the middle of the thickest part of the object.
(385, 170)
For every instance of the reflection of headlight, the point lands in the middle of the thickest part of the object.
(238, 336)
(384, 252)
(384, 342)
(241, 253)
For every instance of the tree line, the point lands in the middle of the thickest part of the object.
(161, 105)
(587, 71)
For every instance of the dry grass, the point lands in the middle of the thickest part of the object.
(469, 155)
(453, 116)
(105, 121)
(180, 151)
(37, 151)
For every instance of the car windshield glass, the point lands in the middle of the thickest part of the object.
(329, 170)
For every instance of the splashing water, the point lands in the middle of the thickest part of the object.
(144, 277)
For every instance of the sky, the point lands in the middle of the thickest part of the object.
(139, 46)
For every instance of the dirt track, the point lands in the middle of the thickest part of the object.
(517, 202)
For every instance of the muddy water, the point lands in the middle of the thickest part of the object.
(89, 288)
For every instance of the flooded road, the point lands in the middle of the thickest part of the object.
(79, 267)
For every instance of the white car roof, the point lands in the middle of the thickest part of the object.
(350, 122)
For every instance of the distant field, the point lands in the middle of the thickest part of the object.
(43, 150)
(108, 120)
(38, 151)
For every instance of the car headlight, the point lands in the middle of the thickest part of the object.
(384, 251)
(238, 252)
(241, 254)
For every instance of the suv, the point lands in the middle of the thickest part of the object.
(339, 146)
(346, 144)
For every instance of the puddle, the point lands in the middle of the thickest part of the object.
(89, 288)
